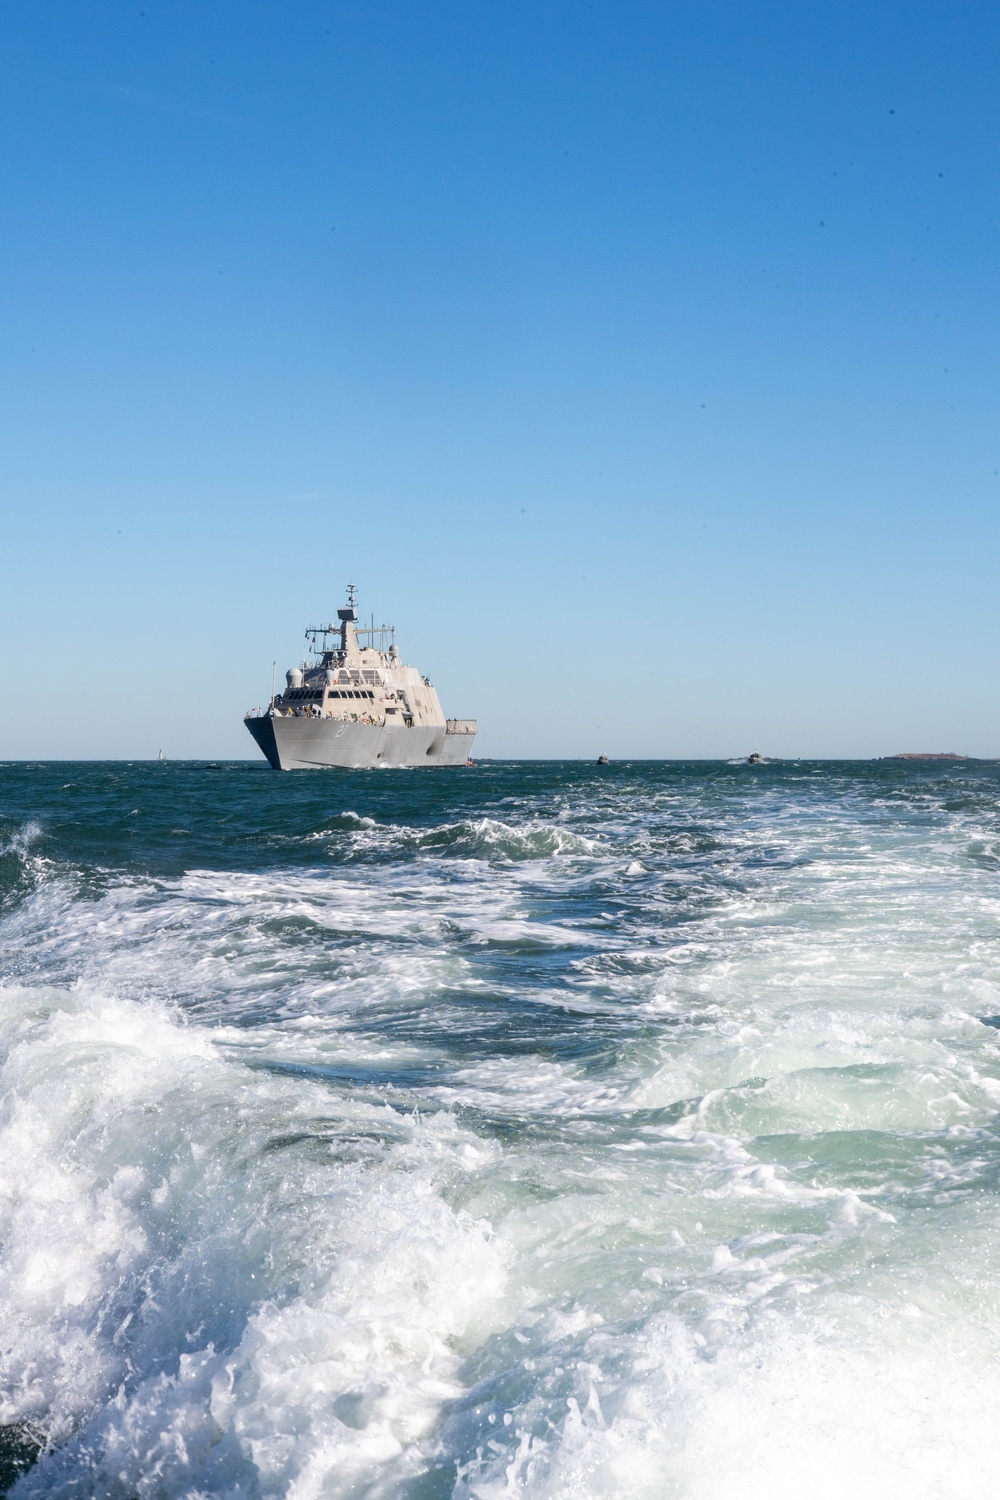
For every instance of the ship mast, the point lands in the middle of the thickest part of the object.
(349, 632)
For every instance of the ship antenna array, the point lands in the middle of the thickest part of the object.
(381, 631)
(324, 630)
(370, 632)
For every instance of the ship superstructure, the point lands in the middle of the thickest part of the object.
(357, 704)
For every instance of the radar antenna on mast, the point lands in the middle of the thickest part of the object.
(352, 595)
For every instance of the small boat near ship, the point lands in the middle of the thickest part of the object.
(357, 704)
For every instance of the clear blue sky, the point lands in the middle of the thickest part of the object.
(648, 349)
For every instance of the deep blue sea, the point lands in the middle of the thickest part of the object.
(532, 1129)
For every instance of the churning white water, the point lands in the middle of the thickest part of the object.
(527, 1131)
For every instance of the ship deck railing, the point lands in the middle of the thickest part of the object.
(461, 726)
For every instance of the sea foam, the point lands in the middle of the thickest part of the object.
(535, 1133)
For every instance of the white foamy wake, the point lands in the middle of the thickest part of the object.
(891, 1408)
(715, 1218)
(194, 1303)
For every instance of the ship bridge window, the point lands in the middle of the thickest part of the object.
(304, 695)
(351, 693)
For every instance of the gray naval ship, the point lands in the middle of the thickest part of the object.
(357, 705)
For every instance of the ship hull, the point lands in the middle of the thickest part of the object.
(304, 744)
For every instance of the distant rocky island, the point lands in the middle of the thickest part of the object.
(927, 755)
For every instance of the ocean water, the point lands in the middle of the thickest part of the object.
(533, 1129)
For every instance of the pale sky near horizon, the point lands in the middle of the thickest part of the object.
(639, 361)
